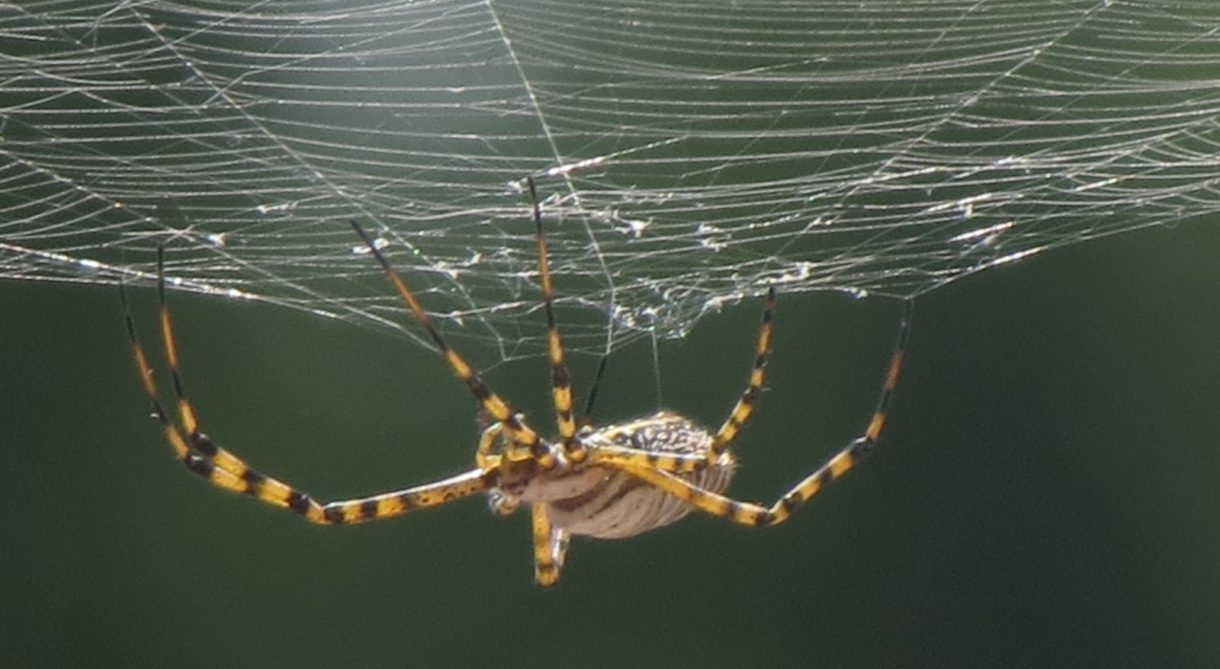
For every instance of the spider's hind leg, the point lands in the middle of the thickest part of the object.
(747, 513)
(745, 405)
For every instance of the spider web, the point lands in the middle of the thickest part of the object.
(689, 153)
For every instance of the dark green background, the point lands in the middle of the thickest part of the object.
(1047, 493)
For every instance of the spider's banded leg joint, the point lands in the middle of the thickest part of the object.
(203, 444)
(561, 382)
(388, 505)
(544, 455)
(892, 373)
(546, 567)
(300, 502)
(749, 397)
(492, 403)
(577, 452)
(745, 513)
(202, 457)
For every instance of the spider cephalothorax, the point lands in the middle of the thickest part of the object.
(610, 482)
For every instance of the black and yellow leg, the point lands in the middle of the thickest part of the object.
(873, 432)
(227, 471)
(195, 450)
(236, 476)
(550, 548)
(747, 513)
(561, 384)
(521, 435)
(186, 412)
(484, 455)
(173, 437)
(622, 456)
(390, 504)
(745, 406)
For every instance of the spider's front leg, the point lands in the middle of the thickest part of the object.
(225, 470)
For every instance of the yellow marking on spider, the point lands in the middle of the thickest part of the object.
(390, 506)
(409, 297)
(227, 461)
(747, 514)
(499, 410)
(891, 377)
(809, 487)
(146, 373)
(274, 491)
(352, 512)
(676, 458)
(546, 572)
(227, 480)
(875, 426)
(613, 455)
(459, 365)
(563, 400)
(841, 463)
(176, 441)
(189, 422)
(167, 334)
(546, 575)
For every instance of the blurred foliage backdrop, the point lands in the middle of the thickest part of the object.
(1046, 493)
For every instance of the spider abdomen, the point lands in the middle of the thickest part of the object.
(614, 504)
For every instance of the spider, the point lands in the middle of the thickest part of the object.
(615, 481)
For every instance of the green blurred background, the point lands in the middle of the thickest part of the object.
(1047, 492)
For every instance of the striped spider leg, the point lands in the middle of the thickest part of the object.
(613, 481)
(509, 458)
(712, 502)
(225, 470)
